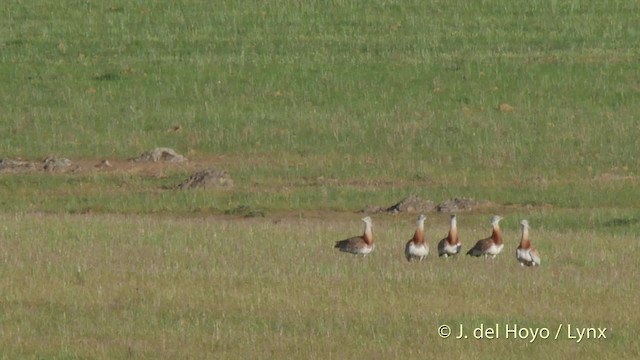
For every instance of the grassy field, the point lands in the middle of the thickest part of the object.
(317, 110)
(110, 286)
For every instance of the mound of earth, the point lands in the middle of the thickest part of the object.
(459, 204)
(49, 164)
(55, 164)
(16, 165)
(207, 179)
(161, 154)
(411, 204)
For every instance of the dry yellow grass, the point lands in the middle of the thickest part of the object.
(110, 286)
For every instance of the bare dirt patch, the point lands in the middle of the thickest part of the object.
(151, 163)
(415, 204)
(109, 166)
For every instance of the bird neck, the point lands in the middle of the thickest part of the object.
(495, 235)
(453, 232)
(418, 237)
(368, 234)
(524, 242)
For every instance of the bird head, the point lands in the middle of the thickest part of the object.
(524, 223)
(495, 220)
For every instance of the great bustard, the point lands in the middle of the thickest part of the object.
(450, 245)
(492, 245)
(359, 245)
(526, 254)
(417, 248)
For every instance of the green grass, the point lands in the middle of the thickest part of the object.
(383, 80)
(316, 110)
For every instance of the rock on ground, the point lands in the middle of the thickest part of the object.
(55, 164)
(161, 154)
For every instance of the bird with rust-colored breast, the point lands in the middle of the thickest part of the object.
(526, 254)
(492, 245)
(450, 245)
(359, 245)
(417, 248)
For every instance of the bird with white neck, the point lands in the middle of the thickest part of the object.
(359, 245)
(417, 248)
(526, 254)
